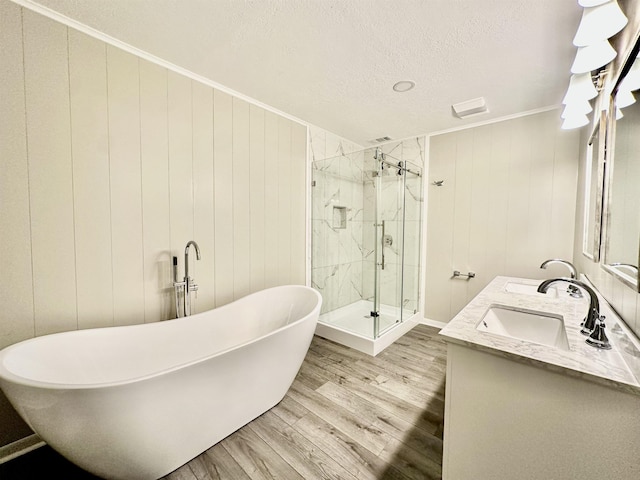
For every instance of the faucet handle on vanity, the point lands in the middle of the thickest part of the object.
(598, 337)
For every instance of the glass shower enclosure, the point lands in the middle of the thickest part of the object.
(366, 215)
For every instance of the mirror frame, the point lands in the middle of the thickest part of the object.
(593, 204)
(629, 280)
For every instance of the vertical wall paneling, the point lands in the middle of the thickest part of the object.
(203, 215)
(462, 217)
(241, 200)
(564, 187)
(223, 188)
(179, 127)
(284, 199)
(109, 164)
(271, 179)
(50, 174)
(498, 169)
(92, 203)
(126, 186)
(512, 208)
(257, 189)
(298, 203)
(518, 203)
(543, 157)
(480, 208)
(154, 158)
(15, 235)
(440, 218)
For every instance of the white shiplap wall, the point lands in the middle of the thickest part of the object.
(110, 164)
(506, 205)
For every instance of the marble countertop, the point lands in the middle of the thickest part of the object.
(617, 368)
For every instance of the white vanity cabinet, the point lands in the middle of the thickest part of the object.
(515, 410)
(508, 420)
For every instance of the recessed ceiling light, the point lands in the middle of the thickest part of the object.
(404, 86)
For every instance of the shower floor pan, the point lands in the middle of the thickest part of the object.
(352, 325)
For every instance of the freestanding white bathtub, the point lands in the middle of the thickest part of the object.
(137, 402)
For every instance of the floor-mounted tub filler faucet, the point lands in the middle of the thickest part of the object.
(183, 289)
(593, 324)
(572, 289)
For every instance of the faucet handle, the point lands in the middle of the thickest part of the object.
(598, 337)
(574, 291)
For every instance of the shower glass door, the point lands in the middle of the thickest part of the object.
(397, 209)
(388, 238)
(365, 241)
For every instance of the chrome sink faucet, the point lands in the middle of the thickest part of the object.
(572, 289)
(593, 324)
(569, 265)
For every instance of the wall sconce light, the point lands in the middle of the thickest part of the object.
(599, 23)
(601, 19)
(591, 3)
(575, 122)
(624, 98)
(592, 57)
(578, 108)
(581, 87)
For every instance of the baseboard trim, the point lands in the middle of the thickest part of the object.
(433, 323)
(20, 447)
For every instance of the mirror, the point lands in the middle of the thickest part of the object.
(622, 204)
(593, 186)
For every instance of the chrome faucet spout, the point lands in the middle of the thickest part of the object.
(189, 286)
(186, 256)
(572, 270)
(594, 304)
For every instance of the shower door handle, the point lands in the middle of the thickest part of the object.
(382, 244)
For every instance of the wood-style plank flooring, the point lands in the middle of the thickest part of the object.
(347, 416)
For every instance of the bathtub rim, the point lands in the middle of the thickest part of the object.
(8, 376)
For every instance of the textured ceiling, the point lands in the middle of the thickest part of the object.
(333, 62)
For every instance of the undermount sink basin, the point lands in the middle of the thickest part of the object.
(536, 327)
(529, 289)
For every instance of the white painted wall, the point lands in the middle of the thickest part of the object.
(506, 205)
(110, 164)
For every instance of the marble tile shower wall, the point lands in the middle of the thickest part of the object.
(337, 219)
(343, 260)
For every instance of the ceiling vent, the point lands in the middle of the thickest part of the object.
(477, 106)
(381, 139)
